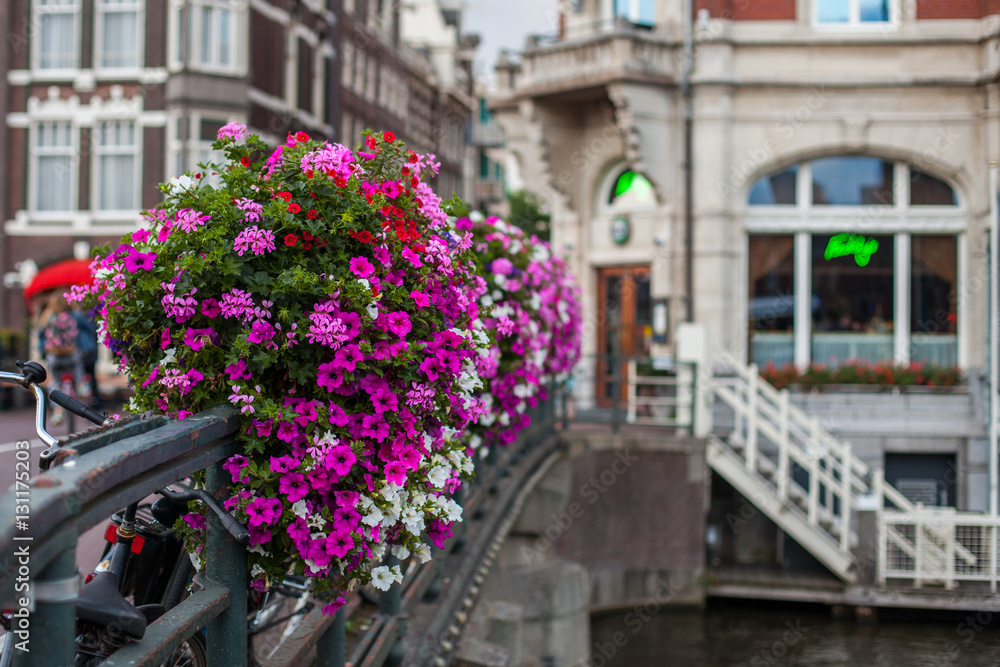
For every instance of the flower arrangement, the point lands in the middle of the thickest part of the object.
(861, 372)
(534, 310)
(321, 291)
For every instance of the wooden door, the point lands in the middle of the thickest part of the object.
(624, 324)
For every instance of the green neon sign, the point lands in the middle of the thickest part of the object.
(843, 245)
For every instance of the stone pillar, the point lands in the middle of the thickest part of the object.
(553, 594)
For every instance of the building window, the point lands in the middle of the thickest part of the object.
(119, 34)
(871, 269)
(216, 36)
(772, 298)
(852, 12)
(853, 319)
(775, 190)
(116, 149)
(852, 181)
(190, 145)
(925, 190)
(56, 45)
(631, 189)
(934, 286)
(639, 12)
(54, 166)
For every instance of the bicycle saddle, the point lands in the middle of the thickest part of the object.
(101, 603)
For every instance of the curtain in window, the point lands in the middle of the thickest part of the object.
(54, 184)
(118, 40)
(57, 45)
(767, 253)
(116, 190)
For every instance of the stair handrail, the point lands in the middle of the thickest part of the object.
(860, 470)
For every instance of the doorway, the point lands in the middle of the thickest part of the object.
(625, 325)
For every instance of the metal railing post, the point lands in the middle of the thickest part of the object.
(226, 564)
(53, 625)
(616, 384)
(331, 646)
(390, 603)
(630, 381)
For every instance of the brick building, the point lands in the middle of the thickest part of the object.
(107, 98)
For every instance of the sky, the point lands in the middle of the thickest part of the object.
(503, 24)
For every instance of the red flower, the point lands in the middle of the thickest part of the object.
(294, 208)
(306, 245)
(198, 175)
(413, 157)
(245, 161)
(287, 196)
(374, 290)
(301, 136)
(312, 214)
(370, 142)
(389, 137)
(307, 236)
(291, 239)
(405, 171)
(309, 173)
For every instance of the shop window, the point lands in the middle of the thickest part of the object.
(631, 189)
(852, 181)
(771, 298)
(933, 284)
(855, 310)
(776, 190)
(925, 190)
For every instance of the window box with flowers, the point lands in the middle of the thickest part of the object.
(862, 376)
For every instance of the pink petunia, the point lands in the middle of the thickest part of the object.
(294, 486)
(421, 299)
(361, 267)
(340, 459)
(399, 323)
(196, 338)
(395, 473)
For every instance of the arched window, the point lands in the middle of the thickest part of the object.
(631, 189)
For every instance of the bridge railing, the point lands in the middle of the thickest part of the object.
(126, 462)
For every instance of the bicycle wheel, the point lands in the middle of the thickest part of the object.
(191, 653)
(276, 619)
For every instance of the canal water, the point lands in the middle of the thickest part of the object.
(754, 635)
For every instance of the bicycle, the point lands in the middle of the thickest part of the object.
(106, 621)
(145, 560)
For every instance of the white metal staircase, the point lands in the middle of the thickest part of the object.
(811, 485)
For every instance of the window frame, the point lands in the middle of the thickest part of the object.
(101, 9)
(73, 152)
(37, 11)
(854, 22)
(97, 151)
(175, 146)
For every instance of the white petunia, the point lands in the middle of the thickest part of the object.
(382, 578)
(179, 184)
(401, 552)
(423, 552)
(300, 509)
(372, 309)
(438, 476)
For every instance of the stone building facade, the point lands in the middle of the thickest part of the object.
(107, 98)
(814, 122)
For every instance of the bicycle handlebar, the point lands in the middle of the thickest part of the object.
(234, 527)
(76, 407)
(34, 374)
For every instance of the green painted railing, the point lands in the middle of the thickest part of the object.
(123, 463)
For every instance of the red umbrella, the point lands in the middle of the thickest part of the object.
(61, 274)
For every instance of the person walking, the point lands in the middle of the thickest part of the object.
(86, 343)
(58, 343)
